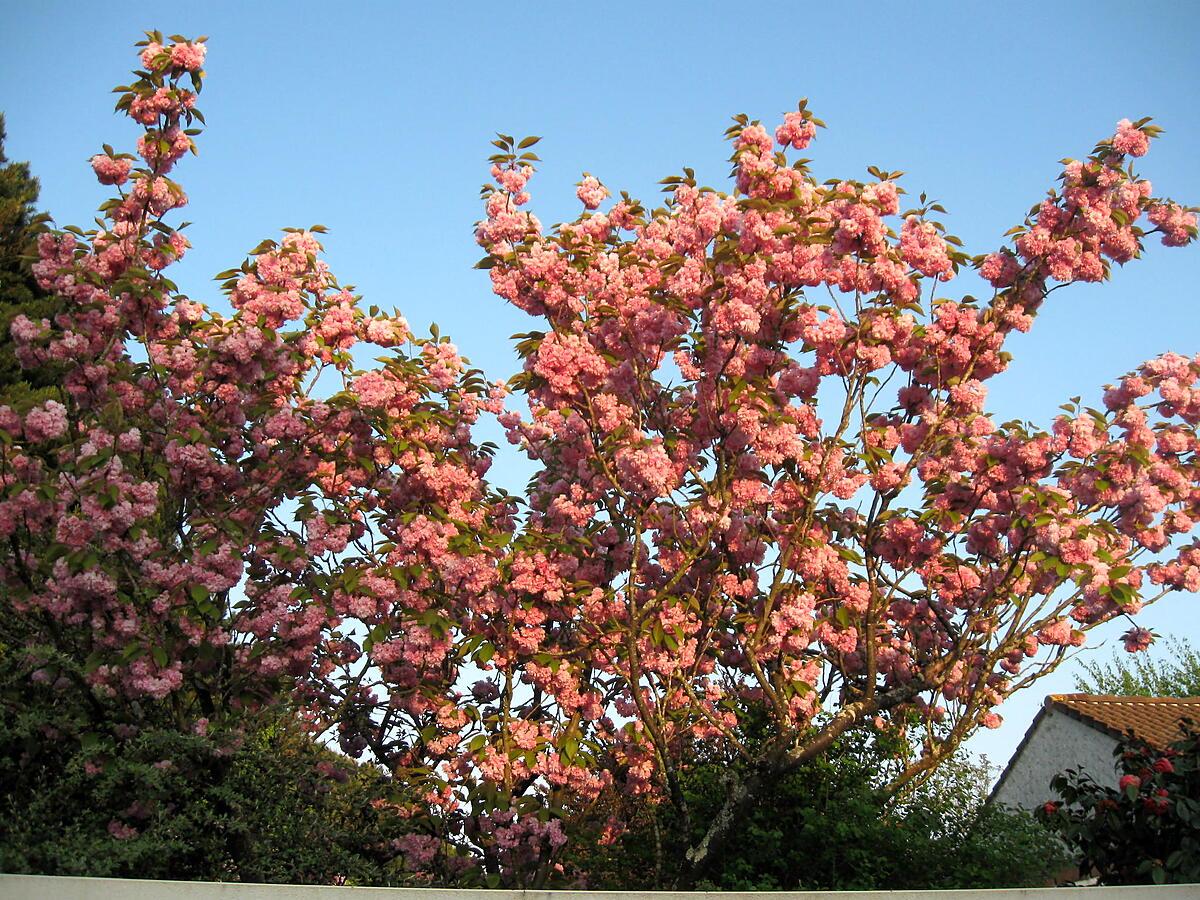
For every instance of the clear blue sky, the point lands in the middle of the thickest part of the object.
(374, 119)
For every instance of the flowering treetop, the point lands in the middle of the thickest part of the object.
(768, 476)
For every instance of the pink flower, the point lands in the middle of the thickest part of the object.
(885, 196)
(163, 149)
(591, 192)
(150, 54)
(514, 178)
(121, 831)
(1129, 140)
(110, 170)
(888, 477)
(1058, 633)
(485, 691)
(969, 395)
(1178, 226)
(797, 130)
(1129, 781)
(24, 329)
(417, 850)
(387, 332)
(737, 317)
(924, 249)
(1000, 269)
(647, 469)
(1137, 639)
(47, 422)
(189, 56)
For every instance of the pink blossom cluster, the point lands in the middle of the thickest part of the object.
(925, 250)
(591, 193)
(797, 130)
(1178, 225)
(185, 56)
(111, 170)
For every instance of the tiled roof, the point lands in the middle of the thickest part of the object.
(1156, 720)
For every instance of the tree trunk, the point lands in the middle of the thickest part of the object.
(740, 794)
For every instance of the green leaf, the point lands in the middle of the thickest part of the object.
(570, 748)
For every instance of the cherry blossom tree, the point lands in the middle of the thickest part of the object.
(169, 518)
(766, 486)
(767, 476)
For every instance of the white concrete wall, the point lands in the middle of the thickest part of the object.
(1058, 742)
(35, 887)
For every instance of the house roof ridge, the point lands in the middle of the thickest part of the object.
(1120, 698)
(1156, 720)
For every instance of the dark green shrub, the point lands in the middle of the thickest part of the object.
(831, 825)
(276, 807)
